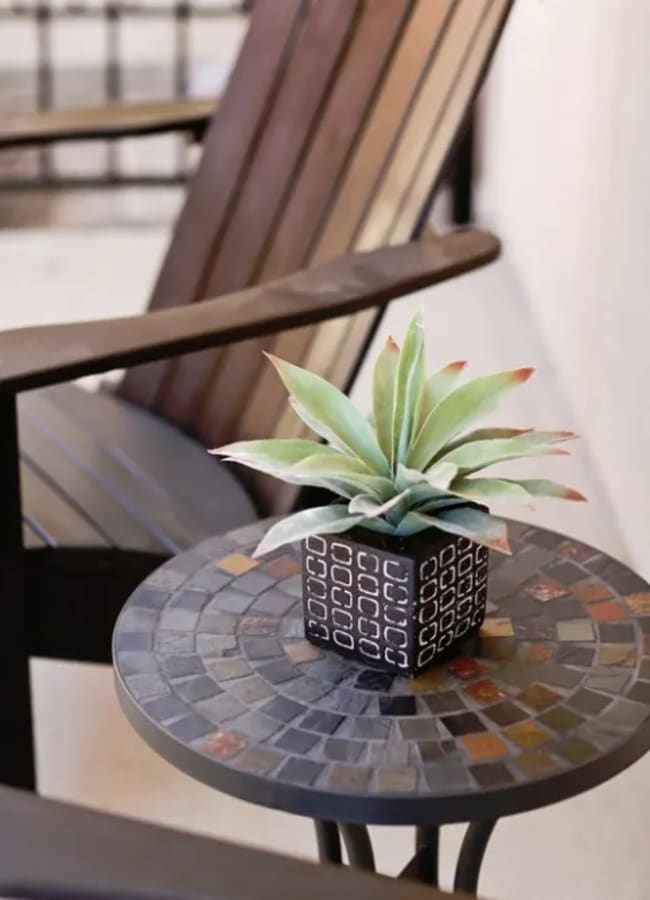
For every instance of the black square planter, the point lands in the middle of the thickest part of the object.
(398, 604)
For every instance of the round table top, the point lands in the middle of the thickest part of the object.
(213, 671)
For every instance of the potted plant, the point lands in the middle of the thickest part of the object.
(395, 571)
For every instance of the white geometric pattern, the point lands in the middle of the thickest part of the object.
(391, 609)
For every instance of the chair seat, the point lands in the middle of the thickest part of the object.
(99, 473)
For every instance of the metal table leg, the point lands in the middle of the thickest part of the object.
(358, 846)
(329, 842)
(471, 855)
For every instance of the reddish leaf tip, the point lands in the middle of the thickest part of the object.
(557, 451)
(572, 494)
(392, 345)
(456, 366)
(502, 545)
(523, 375)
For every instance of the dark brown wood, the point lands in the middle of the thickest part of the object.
(37, 356)
(115, 120)
(297, 112)
(50, 849)
(16, 746)
(228, 148)
(205, 497)
(295, 237)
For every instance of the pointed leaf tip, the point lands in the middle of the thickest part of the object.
(524, 374)
(392, 345)
(457, 366)
(572, 494)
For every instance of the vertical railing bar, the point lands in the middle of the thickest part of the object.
(182, 12)
(44, 74)
(113, 79)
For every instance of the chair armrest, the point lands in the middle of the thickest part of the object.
(111, 121)
(53, 850)
(42, 355)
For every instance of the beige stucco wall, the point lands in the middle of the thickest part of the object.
(565, 181)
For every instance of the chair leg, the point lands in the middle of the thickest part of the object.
(16, 746)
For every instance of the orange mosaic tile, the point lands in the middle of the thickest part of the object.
(528, 735)
(302, 651)
(591, 591)
(617, 655)
(223, 744)
(486, 691)
(236, 564)
(497, 627)
(283, 567)
(538, 696)
(545, 589)
(607, 612)
(572, 550)
(484, 746)
(536, 763)
(534, 652)
(638, 603)
(430, 680)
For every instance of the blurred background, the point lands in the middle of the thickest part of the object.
(560, 174)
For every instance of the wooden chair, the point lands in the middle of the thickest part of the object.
(56, 851)
(330, 139)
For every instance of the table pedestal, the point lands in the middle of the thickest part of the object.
(423, 866)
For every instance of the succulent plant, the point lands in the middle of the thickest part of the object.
(413, 467)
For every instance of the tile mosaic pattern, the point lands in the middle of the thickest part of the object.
(212, 649)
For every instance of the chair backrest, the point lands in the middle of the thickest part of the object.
(332, 134)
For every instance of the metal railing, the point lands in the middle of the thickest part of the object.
(115, 18)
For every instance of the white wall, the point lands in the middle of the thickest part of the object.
(565, 180)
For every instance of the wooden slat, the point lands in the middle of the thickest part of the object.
(41, 355)
(289, 129)
(53, 514)
(389, 115)
(442, 136)
(407, 181)
(31, 539)
(432, 96)
(253, 408)
(110, 121)
(207, 491)
(227, 151)
(153, 505)
(315, 349)
(116, 518)
(52, 849)
(473, 58)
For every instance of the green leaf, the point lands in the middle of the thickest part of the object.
(332, 470)
(436, 389)
(441, 474)
(540, 487)
(479, 454)
(319, 520)
(485, 434)
(458, 410)
(369, 507)
(408, 389)
(486, 489)
(467, 522)
(405, 477)
(339, 420)
(383, 395)
(274, 456)
(380, 525)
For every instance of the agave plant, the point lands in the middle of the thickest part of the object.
(414, 465)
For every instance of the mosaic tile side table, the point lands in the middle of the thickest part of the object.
(213, 671)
